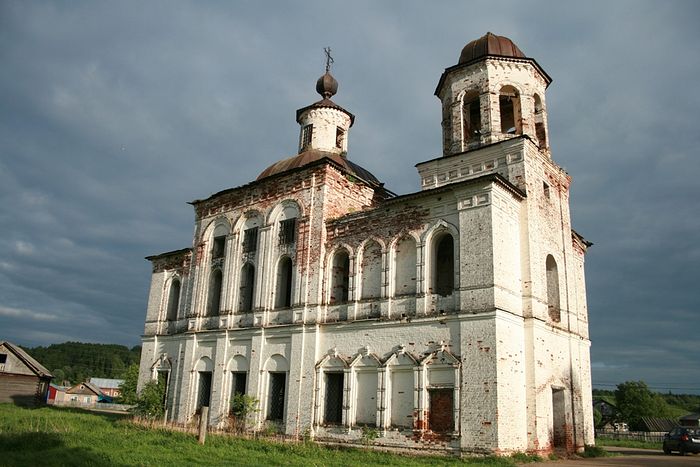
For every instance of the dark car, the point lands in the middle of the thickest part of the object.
(682, 440)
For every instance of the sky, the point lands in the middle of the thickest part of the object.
(113, 115)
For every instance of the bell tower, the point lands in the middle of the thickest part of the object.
(494, 93)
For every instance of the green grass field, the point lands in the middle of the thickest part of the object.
(51, 436)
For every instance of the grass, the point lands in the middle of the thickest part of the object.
(51, 436)
(594, 451)
(626, 443)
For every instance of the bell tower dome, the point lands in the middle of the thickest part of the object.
(325, 124)
(494, 92)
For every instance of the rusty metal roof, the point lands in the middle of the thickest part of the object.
(490, 44)
(313, 155)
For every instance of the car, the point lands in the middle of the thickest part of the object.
(682, 439)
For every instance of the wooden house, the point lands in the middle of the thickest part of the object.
(23, 380)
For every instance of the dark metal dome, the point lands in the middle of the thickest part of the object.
(490, 44)
(327, 86)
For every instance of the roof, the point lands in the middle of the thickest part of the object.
(691, 416)
(313, 155)
(490, 44)
(659, 424)
(77, 389)
(27, 359)
(106, 383)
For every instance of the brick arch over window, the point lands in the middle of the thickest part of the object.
(283, 292)
(371, 270)
(553, 295)
(214, 295)
(510, 110)
(247, 287)
(340, 277)
(173, 299)
(443, 260)
(405, 260)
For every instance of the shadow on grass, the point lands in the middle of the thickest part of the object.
(46, 449)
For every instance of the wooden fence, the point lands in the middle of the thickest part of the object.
(651, 436)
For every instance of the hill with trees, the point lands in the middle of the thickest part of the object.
(78, 361)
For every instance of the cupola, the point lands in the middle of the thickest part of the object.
(494, 92)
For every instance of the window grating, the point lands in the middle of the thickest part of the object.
(334, 398)
(250, 240)
(306, 134)
(217, 249)
(288, 231)
(276, 402)
(204, 392)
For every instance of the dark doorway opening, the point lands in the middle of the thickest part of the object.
(334, 398)
(204, 391)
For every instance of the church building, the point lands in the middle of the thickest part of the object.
(452, 318)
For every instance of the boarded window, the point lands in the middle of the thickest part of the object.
(553, 304)
(283, 297)
(340, 277)
(366, 401)
(288, 230)
(173, 300)
(402, 398)
(444, 265)
(334, 398)
(214, 300)
(372, 271)
(204, 390)
(247, 287)
(405, 267)
(275, 407)
(441, 415)
(250, 240)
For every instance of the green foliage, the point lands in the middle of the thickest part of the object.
(149, 402)
(128, 387)
(597, 418)
(56, 437)
(594, 451)
(369, 434)
(524, 458)
(77, 361)
(243, 405)
(627, 443)
(634, 400)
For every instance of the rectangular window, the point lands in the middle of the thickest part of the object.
(238, 382)
(545, 189)
(204, 390)
(334, 398)
(275, 409)
(218, 248)
(306, 134)
(3, 358)
(250, 240)
(288, 231)
(339, 137)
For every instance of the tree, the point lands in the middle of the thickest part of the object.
(635, 400)
(149, 402)
(128, 387)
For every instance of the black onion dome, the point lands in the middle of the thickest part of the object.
(327, 86)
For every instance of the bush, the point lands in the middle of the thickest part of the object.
(594, 451)
(242, 405)
(149, 402)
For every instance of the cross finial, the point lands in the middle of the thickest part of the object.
(329, 59)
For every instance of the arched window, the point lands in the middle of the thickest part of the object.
(471, 116)
(372, 270)
(509, 104)
(247, 287)
(553, 289)
(540, 130)
(214, 300)
(283, 297)
(443, 269)
(340, 277)
(405, 267)
(173, 300)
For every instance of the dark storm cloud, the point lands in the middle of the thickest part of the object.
(115, 114)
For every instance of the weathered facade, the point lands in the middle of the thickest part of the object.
(23, 380)
(453, 318)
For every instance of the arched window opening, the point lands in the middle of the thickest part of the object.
(443, 282)
(553, 289)
(372, 271)
(540, 130)
(509, 104)
(247, 286)
(405, 267)
(340, 277)
(173, 300)
(284, 283)
(214, 300)
(471, 117)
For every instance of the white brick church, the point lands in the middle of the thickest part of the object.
(453, 318)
